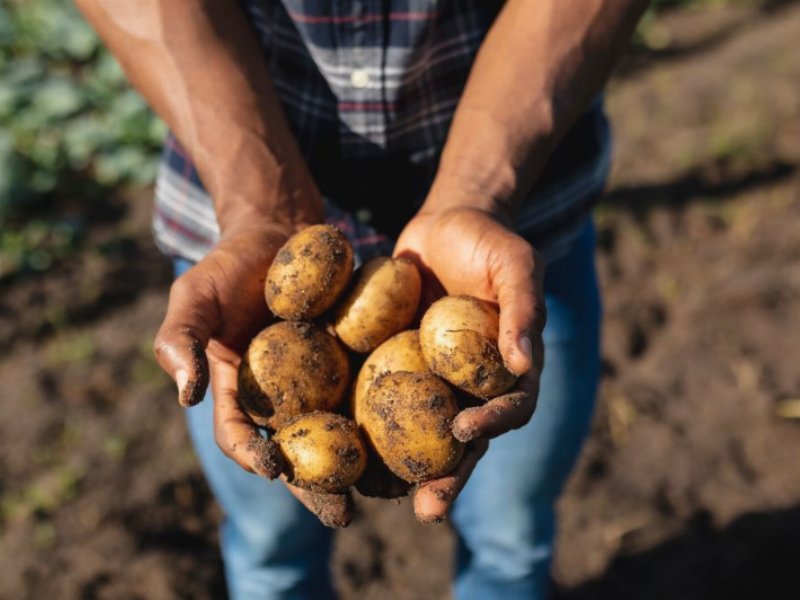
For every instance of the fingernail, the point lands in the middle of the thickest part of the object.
(181, 378)
(431, 519)
(525, 347)
(464, 430)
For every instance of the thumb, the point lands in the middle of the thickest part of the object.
(181, 341)
(518, 281)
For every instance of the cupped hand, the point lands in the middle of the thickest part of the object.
(214, 310)
(466, 250)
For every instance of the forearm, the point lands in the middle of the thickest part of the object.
(539, 67)
(198, 64)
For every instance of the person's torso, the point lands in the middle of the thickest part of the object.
(369, 88)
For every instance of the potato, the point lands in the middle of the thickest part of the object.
(309, 273)
(322, 451)
(407, 418)
(382, 302)
(401, 352)
(458, 335)
(291, 368)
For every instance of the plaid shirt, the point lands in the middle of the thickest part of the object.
(369, 89)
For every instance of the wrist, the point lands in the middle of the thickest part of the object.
(487, 156)
(289, 212)
(253, 183)
(449, 195)
(246, 221)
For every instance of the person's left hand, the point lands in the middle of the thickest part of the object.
(463, 250)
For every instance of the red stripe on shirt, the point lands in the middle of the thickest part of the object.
(174, 146)
(341, 223)
(369, 240)
(358, 106)
(180, 228)
(396, 16)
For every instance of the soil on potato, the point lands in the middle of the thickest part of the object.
(688, 487)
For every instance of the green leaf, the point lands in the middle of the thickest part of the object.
(146, 174)
(46, 152)
(106, 73)
(6, 27)
(83, 137)
(23, 70)
(158, 131)
(80, 42)
(42, 182)
(6, 168)
(119, 165)
(11, 97)
(127, 106)
(58, 97)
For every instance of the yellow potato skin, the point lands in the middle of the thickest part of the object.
(381, 303)
(407, 419)
(458, 335)
(309, 273)
(291, 368)
(322, 451)
(400, 352)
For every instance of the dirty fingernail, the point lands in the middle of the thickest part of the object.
(267, 460)
(431, 519)
(464, 429)
(525, 348)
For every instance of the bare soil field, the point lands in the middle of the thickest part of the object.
(688, 486)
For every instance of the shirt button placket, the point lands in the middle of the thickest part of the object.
(359, 76)
(370, 80)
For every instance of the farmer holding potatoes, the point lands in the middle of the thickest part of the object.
(466, 134)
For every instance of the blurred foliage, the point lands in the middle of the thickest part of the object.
(70, 126)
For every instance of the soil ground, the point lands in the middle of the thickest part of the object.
(688, 487)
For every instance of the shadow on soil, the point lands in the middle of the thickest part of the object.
(755, 557)
(704, 183)
(642, 56)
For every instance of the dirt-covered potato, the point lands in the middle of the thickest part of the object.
(458, 335)
(309, 273)
(322, 451)
(382, 302)
(291, 368)
(407, 418)
(401, 352)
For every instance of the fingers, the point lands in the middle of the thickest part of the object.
(501, 414)
(239, 440)
(181, 341)
(475, 426)
(518, 279)
(433, 499)
(333, 510)
(236, 435)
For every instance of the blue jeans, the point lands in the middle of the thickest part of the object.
(274, 548)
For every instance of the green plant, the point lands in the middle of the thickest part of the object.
(69, 126)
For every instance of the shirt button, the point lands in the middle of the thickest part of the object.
(359, 78)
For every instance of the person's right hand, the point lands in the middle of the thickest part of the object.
(214, 310)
